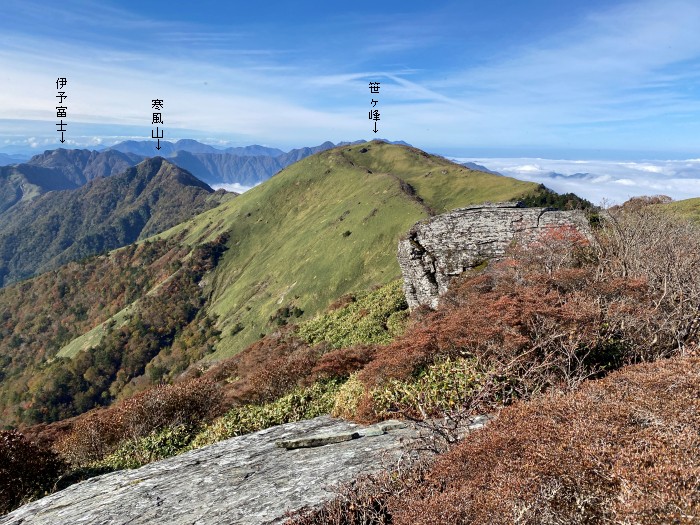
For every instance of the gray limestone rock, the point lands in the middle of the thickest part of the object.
(247, 479)
(438, 249)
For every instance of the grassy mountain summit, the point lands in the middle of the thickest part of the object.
(106, 213)
(326, 226)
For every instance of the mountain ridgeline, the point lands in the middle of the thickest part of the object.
(64, 169)
(106, 213)
(59, 169)
(247, 165)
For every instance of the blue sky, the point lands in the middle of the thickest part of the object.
(589, 79)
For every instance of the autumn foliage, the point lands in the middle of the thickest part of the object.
(27, 470)
(95, 435)
(619, 450)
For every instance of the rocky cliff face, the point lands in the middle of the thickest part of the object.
(252, 479)
(440, 248)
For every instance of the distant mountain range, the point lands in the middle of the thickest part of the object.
(6, 159)
(55, 208)
(147, 148)
(59, 169)
(479, 167)
(246, 166)
(107, 212)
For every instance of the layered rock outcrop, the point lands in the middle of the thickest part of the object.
(438, 249)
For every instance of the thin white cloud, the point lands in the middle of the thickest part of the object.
(618, 79)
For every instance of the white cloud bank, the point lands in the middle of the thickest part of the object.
(600, 180)
(238, 188)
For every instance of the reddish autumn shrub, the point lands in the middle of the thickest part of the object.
(527, 331)
(188, 403)
(280, 362)
(342, 362)
(619, 450)
(279, 376)
(267, 369)
(27, 471)
(98, 433)
(92, 436)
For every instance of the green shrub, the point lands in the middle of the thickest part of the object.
(348, 398)
(375, 317)
(302, 403)
(441, 387)
(135, 453)
(396, 323)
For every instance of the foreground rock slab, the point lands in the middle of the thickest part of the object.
(248, 479)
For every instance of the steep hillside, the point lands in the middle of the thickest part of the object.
(107, 213)
(217, 168)
(24, 182)
(41, 315)
(325, 226)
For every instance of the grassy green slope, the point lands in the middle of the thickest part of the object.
(290, 244)
(689, 208)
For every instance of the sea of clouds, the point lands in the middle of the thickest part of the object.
(238, 188)
(599, 181)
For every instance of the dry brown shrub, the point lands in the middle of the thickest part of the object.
(342, 362)
(268, 368)
(279, 375)
(366, 500)
(47, 434)
(663, 249)
(27, 470)
(96, 434)
(636, 203)
(188, 403)
(92, 437)
(622, 450)
(528, 332)
(619, 450)
(561, 309)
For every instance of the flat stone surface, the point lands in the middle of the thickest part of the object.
(391, 424)
(318, 440)
(247, 480)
